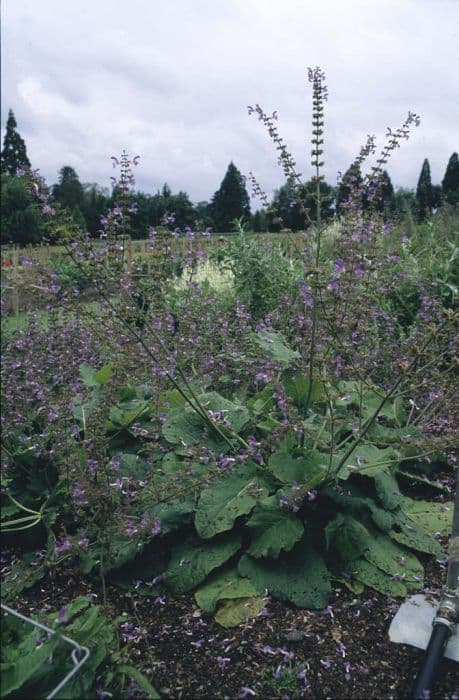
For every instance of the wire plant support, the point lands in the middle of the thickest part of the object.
(79, 654)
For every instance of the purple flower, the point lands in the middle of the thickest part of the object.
(63, 615)
(63, 545)
(245, 693)
(222, 661)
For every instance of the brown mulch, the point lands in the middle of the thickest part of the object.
(343, 651)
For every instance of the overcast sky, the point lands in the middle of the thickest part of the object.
(170, 80)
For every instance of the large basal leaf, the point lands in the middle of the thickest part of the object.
(309, 467)
(385, 435)
(395, 561)
(222, 586)
(364, 399)
(372, 576)
(349, 537)
(273, 529)
(134, 467)
(30, 658)
(235, 612)
(408, 533)
(300, 577)
(190, 565)
(432, 517)
(387, 489)
(236, 414)
(367, 460)
(226, 500)
(275, 345)
(297, 389)
(185, 426)
(173, 514)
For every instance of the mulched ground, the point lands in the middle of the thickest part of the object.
(341, 652)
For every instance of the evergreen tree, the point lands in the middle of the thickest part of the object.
(290, 202)
(386, 200)
(230, 201)
(69, 192)
(450, 182)
(424, 192)
(14, 153)
(350, 183)
(22, 222)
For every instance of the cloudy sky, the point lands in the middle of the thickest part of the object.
(171, 80)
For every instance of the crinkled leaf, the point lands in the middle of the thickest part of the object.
(384, 435)
(104, 374)
(297, 389)
(309, 467)
(275, 345)
(408, 533)
(432, 517)
(134, 467)
(349, 537)
(273, 529)
(29, 660)
(227, 499)
(387, 489)
(221, 586)
(367, 460)
(173, 514)
(395, 560)
(300, 577)
(372, 576)
(235, 612)
(190, 565)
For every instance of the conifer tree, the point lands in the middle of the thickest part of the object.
(14, 153)
(230, 201)
(424, 192)
(350, 183)
(450, 182)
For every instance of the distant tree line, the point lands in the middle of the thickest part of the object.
(23, 221)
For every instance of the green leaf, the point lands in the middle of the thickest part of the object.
(308, 468)
(103, 374)
(190, 565)
(275, 345)
(235, 612)
(273, 529)
(87, 375)
(226, 500)
(297, 389)
(134, 467)
(143, 683)
(29, 660)
(432, 517)
(398, 408)
(387, 489)
(349, 537)
(367, 460)
(395, 560)
(383, 435)
(173, 514)
(408, 533)
(261, 402)
(372, 576)
(223, 585)
(300, 577)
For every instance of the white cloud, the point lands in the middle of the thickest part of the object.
(172, 81)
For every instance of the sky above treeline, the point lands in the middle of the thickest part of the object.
(171, 81)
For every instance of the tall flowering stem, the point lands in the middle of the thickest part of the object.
(319, 96)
